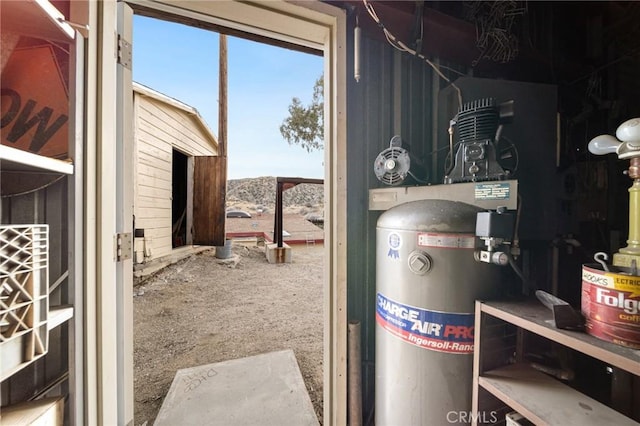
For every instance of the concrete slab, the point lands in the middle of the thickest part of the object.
(265, 389)
(142, 271)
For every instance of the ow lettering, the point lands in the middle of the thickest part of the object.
(24, 120)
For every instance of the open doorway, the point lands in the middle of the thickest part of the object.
(175, 310)
(179, 199)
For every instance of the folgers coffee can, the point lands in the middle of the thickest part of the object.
(611, 305)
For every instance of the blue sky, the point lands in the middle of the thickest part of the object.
(182, 62)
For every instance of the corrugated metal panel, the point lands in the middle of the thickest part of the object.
(380, 99)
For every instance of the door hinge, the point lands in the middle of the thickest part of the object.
(125, 52)
(123, 247)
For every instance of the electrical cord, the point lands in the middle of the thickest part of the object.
(518, 271)
(416, 178)
(30, 191)
(516, 236)
(399, 45)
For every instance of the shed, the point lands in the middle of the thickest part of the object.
(83, 191)
(169, 136)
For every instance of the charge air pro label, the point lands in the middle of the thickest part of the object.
(433, 330)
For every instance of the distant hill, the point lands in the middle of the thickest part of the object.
(252, 194)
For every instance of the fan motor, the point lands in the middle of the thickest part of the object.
(392, 165)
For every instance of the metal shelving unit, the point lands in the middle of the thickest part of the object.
(37, 283)
(14, 160)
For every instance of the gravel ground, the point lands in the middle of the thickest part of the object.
(203, 310)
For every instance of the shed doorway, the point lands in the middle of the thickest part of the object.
(213, 328)
(179, 191)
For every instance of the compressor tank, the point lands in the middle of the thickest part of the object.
(427, 282)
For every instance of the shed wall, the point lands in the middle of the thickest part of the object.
(160, 128)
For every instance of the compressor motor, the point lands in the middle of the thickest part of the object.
(482, 153)
(479, 157)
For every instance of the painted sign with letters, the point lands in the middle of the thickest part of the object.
(34, 112)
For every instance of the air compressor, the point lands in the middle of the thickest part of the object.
(434, 258)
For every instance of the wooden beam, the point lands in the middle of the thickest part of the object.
(195, 23)
(453, 39)
(444, 36)
(282, 184)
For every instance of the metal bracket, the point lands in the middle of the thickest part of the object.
(125, 52)
(123, 246)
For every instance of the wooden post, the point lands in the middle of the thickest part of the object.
(222, 132)
(222, 107)
(277, 226)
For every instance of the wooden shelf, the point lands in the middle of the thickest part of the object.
(539, 320)
(47, 411)
(501, 335)
(547, 401)
(17, 160)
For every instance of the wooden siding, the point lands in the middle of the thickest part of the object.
(160, 128)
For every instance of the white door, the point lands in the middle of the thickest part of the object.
(124, 214)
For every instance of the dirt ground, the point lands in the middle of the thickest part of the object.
(202, 310)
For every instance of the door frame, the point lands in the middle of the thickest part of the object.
(310, 24)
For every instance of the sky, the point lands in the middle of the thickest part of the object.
(182, 62)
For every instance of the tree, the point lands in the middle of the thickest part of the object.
(305, 125)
